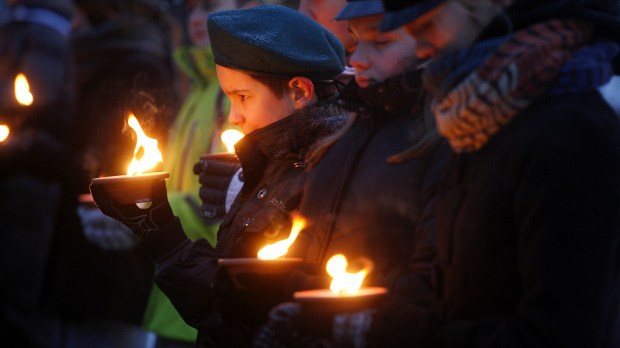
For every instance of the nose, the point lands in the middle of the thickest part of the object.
(360, 59)
(234, 117)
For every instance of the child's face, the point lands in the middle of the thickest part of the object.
(252, 104)
(379, 55)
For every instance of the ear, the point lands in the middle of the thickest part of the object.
(301, 91)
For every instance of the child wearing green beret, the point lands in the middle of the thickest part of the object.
(277, 67)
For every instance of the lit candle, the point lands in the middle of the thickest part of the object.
(151, 156)
(4, 132)
(345, 293)
(22, 90)
(280, 248)
(136, 186)
(270, 259)
(230, 137)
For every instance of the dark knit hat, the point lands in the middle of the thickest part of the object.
(275, 40)
(401, 12)
(359, 8)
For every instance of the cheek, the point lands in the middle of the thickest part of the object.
(398, 61)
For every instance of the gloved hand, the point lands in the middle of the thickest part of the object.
(290, 325)
(105, 232)
(142, 222)
(216, 177)
(251, 304)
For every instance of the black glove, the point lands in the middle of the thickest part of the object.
(142, 222)
(251, 304)
(215, 176)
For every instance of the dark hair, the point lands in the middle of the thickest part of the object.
(277, 85)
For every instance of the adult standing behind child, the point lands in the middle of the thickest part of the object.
(35, 161)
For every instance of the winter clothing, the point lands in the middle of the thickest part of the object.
(360, 8)
(344, 219)
(247, 40)
(528, 230)
(34, 162)
(272, 160)
(372, 209)
(196, 131)
(401, 12)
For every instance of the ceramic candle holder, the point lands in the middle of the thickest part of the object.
(244, 271)
(128, 189)
(326, 301)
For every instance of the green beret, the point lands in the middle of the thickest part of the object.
(275, 40)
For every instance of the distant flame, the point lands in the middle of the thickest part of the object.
(4, 132)
(230, 137)
(344, 282)
(151, 156)
(22, 90)
(280, 248)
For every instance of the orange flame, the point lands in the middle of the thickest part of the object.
(4, 132)
(344, 282)
(230, 137)
(280, 248)
(22, 90)
(151, 156)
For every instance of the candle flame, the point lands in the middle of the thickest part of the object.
(280, 248)
(343, 282)
(22, 90)
(4, 132)
(230, 137)
(151, 156)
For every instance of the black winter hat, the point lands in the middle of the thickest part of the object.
(359, 8)
(401, 12)
(274, 40)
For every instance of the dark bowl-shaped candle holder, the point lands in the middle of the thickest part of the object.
(220, 156)
(127, 189)
(247, 273)
(325, 301)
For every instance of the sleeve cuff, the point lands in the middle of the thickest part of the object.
(165, 240)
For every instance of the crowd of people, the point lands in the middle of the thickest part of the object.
(468, 150)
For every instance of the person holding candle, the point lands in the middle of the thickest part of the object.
(380, 204)
(34, 161)
(528, 232)
(278, 84)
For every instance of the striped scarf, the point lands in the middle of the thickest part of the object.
(478, 90)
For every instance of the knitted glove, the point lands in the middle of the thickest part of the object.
(105, 232)
(215, 177)
(351, 329)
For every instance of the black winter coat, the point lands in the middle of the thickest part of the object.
(361, 205)
(273, 162)
(528, 241)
